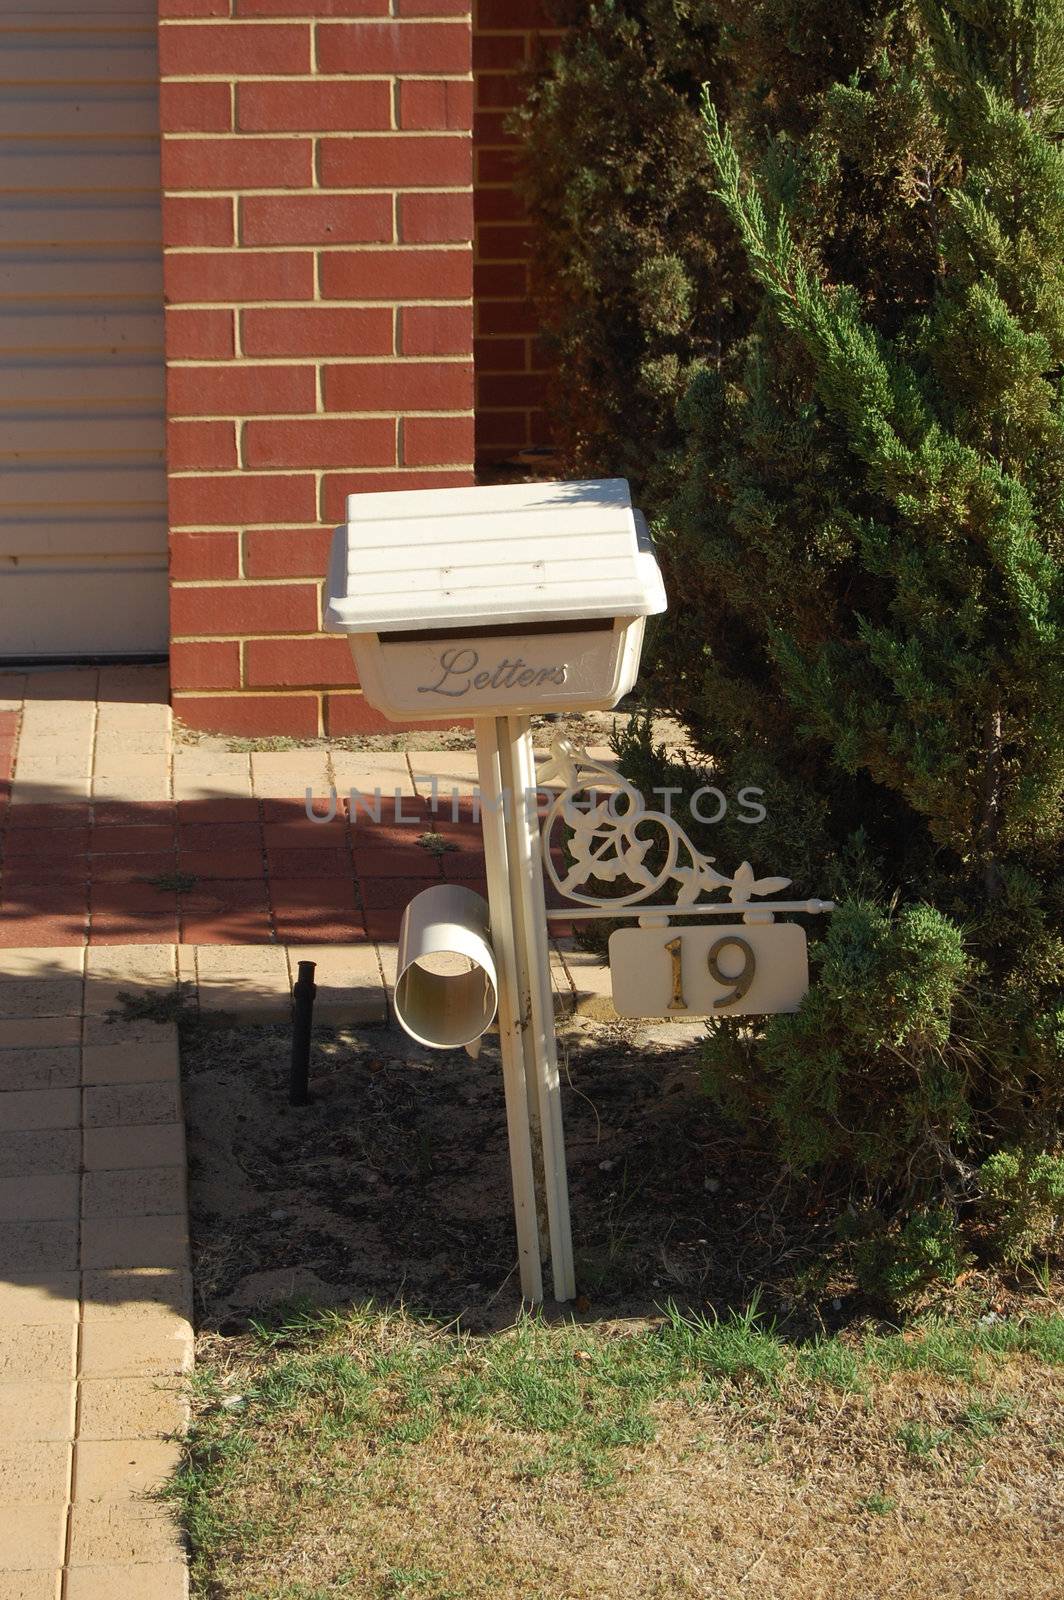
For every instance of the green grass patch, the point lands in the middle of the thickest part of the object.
(332, 1408)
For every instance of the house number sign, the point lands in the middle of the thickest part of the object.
(750, 967)
(730, 971)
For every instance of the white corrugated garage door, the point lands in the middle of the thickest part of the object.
(82, 478)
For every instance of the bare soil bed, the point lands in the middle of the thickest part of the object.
(394, 1181)
(420, 1440)
(394, 1184)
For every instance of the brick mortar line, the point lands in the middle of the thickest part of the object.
(305, 20)
(280, 419)
(453, 24)
(185, 474)
(255, 135)
(413, 247)
(286, 80)
(329, 304)
(314, 362)
(321, 363)
(313, 191)
(299, 693)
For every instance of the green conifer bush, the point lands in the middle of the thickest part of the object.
(859, 501)
(877, 510)
(632, 279)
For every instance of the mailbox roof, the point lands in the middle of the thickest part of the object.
(428, 559)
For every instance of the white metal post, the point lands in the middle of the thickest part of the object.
(541, 1050)
(522, 992)
(511, 1007)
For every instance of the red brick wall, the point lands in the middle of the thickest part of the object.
(510, 364)
(316, 171)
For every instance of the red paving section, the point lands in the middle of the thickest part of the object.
(218, 871)
(225, 871)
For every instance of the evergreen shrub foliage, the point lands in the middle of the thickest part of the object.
(634, 258)
(859, 501)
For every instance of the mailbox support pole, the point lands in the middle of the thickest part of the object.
(511, 1008)
(541, 1049)
(526, 1003)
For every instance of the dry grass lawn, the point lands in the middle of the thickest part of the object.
(368, 1453)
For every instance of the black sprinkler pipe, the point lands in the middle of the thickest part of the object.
(303, 994)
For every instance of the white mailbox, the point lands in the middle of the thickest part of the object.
(496, 601)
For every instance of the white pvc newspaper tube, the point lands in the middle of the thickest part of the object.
(446, 989)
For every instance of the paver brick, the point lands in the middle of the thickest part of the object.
(207, 865)
(228, 923)
(130, 869)
(48, 1196)
(135, 1145)
(133, 813)
(40, 961)
(114, 839)
(158, 1345)
(32, 1535)
(119, 1292)
(131, 1408)
(148, 970)
(310, 863)
(210, 776)
(36, 1410)
(280, 774)
(122, 1531)
(33, 1299)
(223, 809)
(38, 1033)
(25, 876)
(41, 1585)
(370, 776)
(219, 836)
(149, 1061)
(126, 1030)
(109, 963)
(55, 923)
(139, 1192)
(143, 787)
(39, 1151)
(59, 996)
(117, 1469)
(165, 1580)
(56, 764)
(43, 1351)
(244, 980)
(37, 1470)
(160, 1241)
(61, 791)
(51, 1245)
(24, 1109)
(29, 847)
(130, 1104)
(38, 1067)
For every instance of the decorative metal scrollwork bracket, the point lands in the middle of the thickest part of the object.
(609, 840)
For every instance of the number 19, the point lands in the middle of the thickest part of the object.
(739, 984)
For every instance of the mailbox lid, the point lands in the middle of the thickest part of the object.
(433, 559)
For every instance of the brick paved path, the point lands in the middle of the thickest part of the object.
(129, 865)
